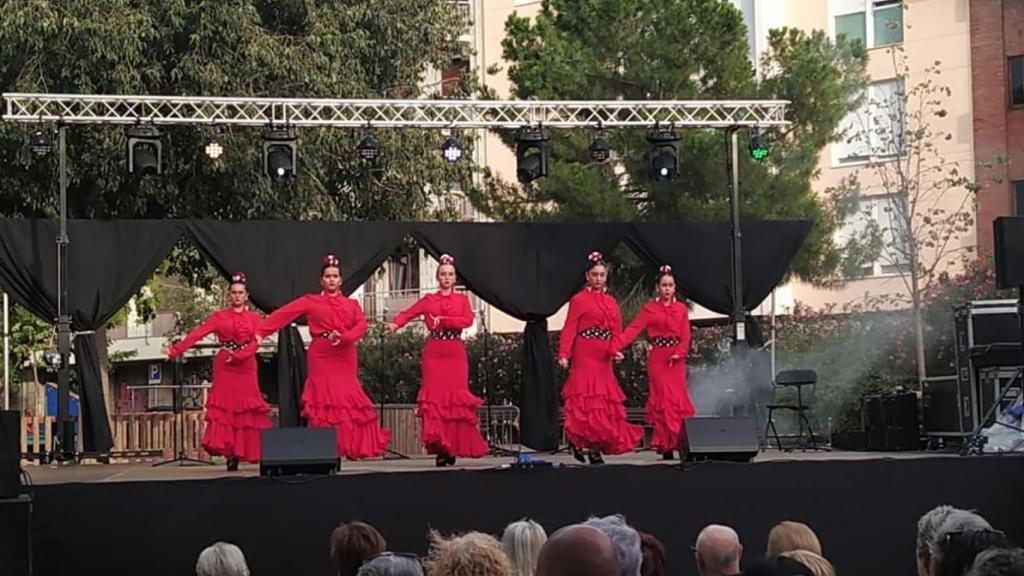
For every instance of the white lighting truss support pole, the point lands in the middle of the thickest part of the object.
(310, 112)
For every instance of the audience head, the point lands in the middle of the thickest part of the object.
(391, 564)
(718, 551)
(222, 559)
(778, 566)
(998, 562)
(578, 550)
(816, 562)
(352, 544)
(788, 536)
(927, 526)
(522, 542)
(626, 540)
(470, 554)
(959, 540)
(653, 550)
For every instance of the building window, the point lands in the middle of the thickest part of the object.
(1018, 197)
(875, 130)
(880, 218)
(453, 77)
(873, 22)
(1017, 80)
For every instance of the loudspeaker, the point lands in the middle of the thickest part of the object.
(10, 453)
(732, 439)
(16, 535)
(1009, 244)
(299, 451)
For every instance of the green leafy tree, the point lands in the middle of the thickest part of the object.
(679, 49)
(270, 48)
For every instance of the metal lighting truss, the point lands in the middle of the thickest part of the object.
(312, 112)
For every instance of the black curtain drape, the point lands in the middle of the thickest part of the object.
(108, 261)
(700, 254)
(527, 270)
(282, 260)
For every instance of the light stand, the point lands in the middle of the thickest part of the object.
(732, 163)
(484, 378)
(64, 433)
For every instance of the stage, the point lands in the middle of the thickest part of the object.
(143, 471)
(133, 518)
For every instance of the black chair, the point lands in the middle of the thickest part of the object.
(794, 379)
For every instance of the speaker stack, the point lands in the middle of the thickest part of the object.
(15, 507)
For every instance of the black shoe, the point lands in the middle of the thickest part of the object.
(441, 460)
(595, 458)
(451, 460)
(577, 454)
(233, 465)
(668, 456)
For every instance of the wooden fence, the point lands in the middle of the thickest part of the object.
(150, 435)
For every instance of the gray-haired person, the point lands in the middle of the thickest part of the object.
(222, 559)
(626, 540)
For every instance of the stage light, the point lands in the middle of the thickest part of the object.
(600, 150)
(531, 154)
(368, 148)
(280, 158)
(451, 150)
(759, 146)
(145, 151)
(40, 143)
(663, 155)
(214, 150)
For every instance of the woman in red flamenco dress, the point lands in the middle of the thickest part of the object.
(332, 395)
(447, 409)
(595, 418)
(235, 411)
(667, 322)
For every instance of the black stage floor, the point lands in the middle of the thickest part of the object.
(134, 519)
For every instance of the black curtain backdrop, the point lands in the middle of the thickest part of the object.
(527, 271)
(282, 260)
(108, 261)
(700, 254)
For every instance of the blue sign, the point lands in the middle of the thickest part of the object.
(155, 374)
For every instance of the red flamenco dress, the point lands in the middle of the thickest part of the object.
(595, 418)
(235, 411)
(447, 409)
(668, 402)
(332, 395)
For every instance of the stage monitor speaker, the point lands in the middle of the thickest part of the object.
(289, 451)
(1009, 245)
(16, 535)
(731, 439)
(10, 453)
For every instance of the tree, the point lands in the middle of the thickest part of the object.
(924, 203)
(326, 48)
(287, 48)
(678, 49)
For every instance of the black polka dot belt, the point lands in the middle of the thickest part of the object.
(446, 334)
(664, 341)
(597, 333)
(234, 346)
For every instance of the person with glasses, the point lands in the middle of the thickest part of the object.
(235, 410)
(960, 538)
